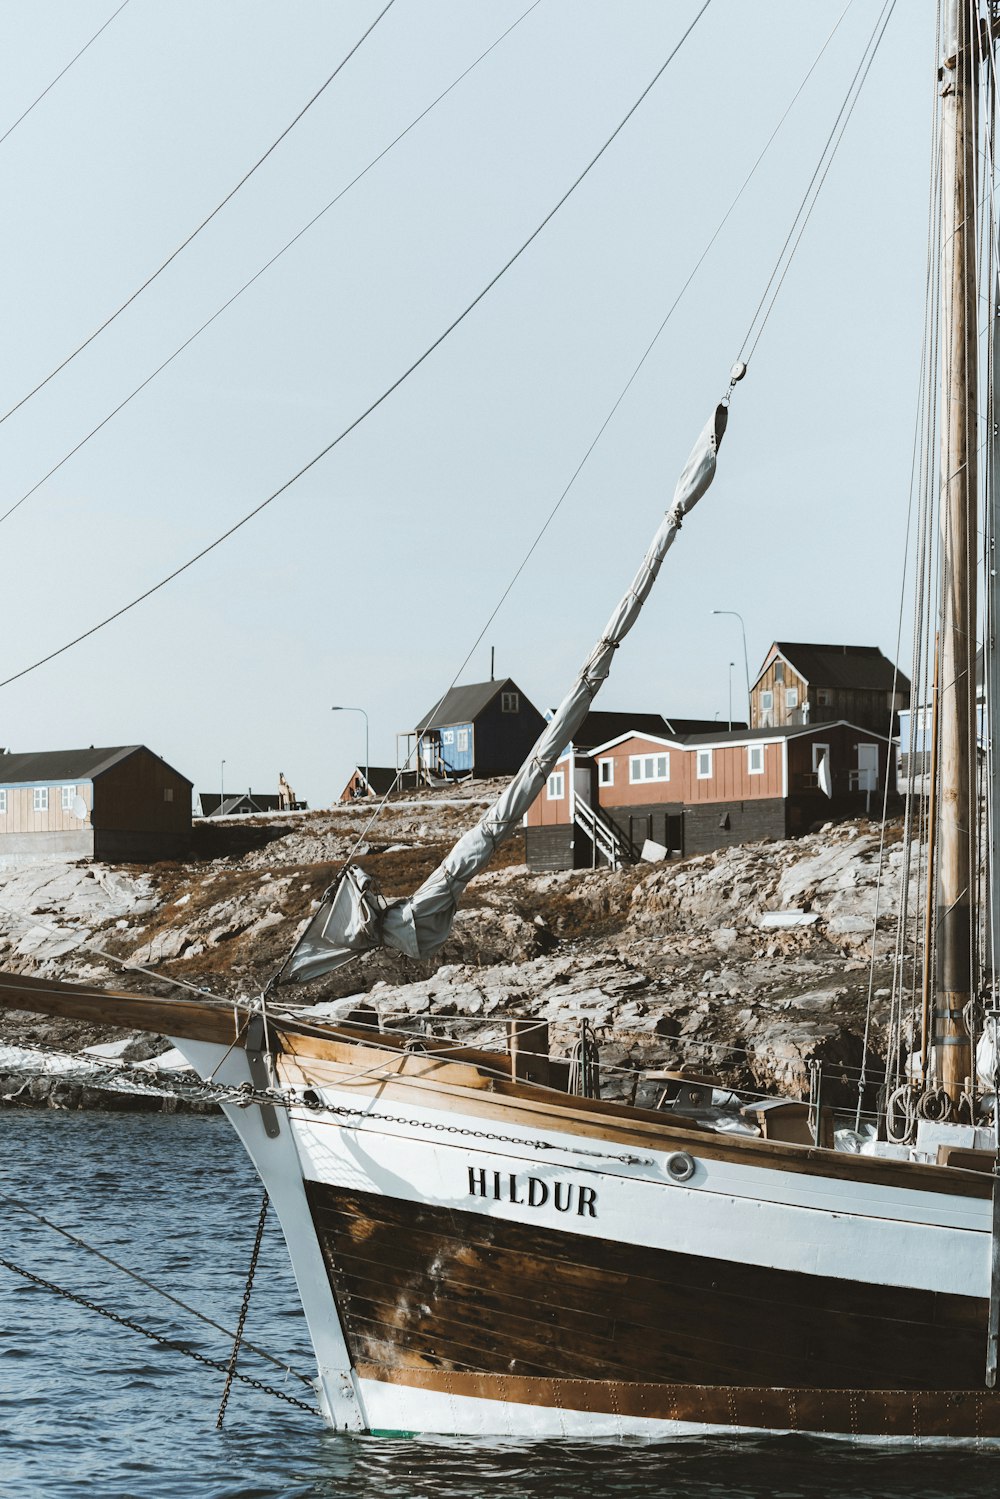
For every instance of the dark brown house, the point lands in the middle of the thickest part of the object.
(117, 804)
(801, 684)
(482, 729)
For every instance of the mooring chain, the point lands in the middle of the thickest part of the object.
(155, 1337)
(238, 1339)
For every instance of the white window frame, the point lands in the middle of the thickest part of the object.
(40, 799)
(766, 701)
(606, 772)
(510, 702)
(779, 673)
(818, 751)
(555, 786)
(3, 802)
(752, 751)
(67, 795)
(462, 741)
(644, 768)
(824, 697)
(791, 698)
(703, 757)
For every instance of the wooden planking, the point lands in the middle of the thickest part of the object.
(971, 1413)
(461, 1288)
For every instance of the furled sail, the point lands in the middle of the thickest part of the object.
(354, 917)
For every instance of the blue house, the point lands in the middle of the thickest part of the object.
(482, 729)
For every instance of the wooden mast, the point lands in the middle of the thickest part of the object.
(956, 862)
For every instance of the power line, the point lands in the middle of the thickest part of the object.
(265, 267)
(50, 86)
(379, 400)
(195, 232)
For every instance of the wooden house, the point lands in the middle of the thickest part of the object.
(375, 781)
(801, 684)
(689, 794)
(122, 803)
(482, 729)
(239, 803)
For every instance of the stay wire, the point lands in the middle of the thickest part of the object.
(823, 165)
(151, 1286)
(61, 74)
(379, 400)
(196, 231)
(264, 268)
(384, 799)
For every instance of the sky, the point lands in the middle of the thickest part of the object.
(368, 581)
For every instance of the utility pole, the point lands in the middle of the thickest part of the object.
(950, 1049)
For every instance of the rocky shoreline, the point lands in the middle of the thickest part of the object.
(750, 963)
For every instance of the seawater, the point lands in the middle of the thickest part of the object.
(88, 1408)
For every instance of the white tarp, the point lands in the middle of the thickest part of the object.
(354, 917)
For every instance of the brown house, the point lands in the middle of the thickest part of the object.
(697, 792)
(801, 684)
(121, 804)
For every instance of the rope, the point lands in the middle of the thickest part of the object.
(379, 400)
(154, 1337)
(150, 1285)
(62, 73)
(265, 267)
(195, 232)
(238, 1339)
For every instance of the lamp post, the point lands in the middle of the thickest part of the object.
(222, 787)
(731, 665)
(338, 708)
(746, 662)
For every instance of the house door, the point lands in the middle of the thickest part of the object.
(867, 767)
(581, 783)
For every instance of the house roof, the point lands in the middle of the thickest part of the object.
(737, 736)
(381, 778)
(600, 726)
(464, 704)
(845, 667)
(38, 767)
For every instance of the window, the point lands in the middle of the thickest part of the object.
(791, 697)
(448, 736)
(766, 702)
(755, 759)
(606, 772)
(818, 751)
(779, 673)
(168, 793)
(824, 698)
(556, 788)
(704, 765)
(463, 740)
(649, 768)
(3, 801)
(40, 798)
(510, 702)
(68, 795)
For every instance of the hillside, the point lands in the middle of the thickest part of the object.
(749, 962)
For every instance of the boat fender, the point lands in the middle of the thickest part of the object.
(680, 1166)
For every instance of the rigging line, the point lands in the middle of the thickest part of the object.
(150, 1285)
(379, 400)
(196, 231)
(50, 86)
(825, 155)
(267, 265)
(381, 805)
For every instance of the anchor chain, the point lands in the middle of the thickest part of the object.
(155, 1337)
(238, 1339)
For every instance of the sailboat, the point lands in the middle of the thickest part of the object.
(485, 1245)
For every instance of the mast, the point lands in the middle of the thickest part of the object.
(950, 1050)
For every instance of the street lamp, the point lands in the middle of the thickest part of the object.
(222, 787)
(746, 662)
(337, 708)
(731, 665)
